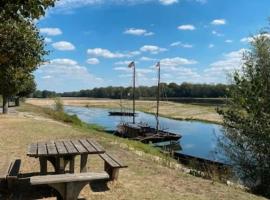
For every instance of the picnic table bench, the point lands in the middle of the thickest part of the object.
(9, 171)
(112, 165)
(69, 186)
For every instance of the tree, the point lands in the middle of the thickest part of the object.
(21, 52)
(21, 47)
(247, 117)
(24, 9)
(28, 87)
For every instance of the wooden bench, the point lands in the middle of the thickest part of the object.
(112, 165)
(9, 171)
(69, 186)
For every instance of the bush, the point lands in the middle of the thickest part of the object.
(58, 105)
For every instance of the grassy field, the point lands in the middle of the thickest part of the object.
(167, 109)
(143, 179)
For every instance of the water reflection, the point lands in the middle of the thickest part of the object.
(198, 139)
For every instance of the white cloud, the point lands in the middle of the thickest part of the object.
(46, 77)
(105, 53)
(93, 61)
(63, 46)
(228, 41)
(180, 44)
(168, 2)
(51, 31)
(152, 49)
(219, 70)
(217, 33)
(186, 27)
(210, 46)
(251, 39)
(47, 40)
(144, 58)
(126, 62)
(126, 69)
(138, 32)
(67, 6)
(63, 70)
(218, 22)
(176, 61)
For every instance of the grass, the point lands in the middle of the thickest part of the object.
(179, 111)
(144, 178)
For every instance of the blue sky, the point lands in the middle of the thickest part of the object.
(198, 41)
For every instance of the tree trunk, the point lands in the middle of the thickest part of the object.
(5, 104)
(17, 101)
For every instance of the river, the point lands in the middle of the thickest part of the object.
(198, 138)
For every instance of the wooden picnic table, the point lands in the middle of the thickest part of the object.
(61, 153)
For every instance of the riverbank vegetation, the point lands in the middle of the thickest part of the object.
(171, 110)
(171, 90)
(247, 117)
(145, 178)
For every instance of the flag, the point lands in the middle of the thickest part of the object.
(158, 65)
(132, 64)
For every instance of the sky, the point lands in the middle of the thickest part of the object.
(91, 42)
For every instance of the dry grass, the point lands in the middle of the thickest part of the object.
(143, 179)
(167, 109)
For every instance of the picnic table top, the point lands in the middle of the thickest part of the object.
(64, 148)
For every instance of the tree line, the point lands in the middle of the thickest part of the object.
(171, 90)
(22, 48)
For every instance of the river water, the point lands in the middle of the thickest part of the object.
(198, 138)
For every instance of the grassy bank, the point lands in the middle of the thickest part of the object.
(172, 110)
(143, 179)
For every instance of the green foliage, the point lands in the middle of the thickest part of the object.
(58, 105)
(247, 117)
(171, 90)
(62, 116)
(21, 47)
(31, 9)
(28, 87)
(21, 52)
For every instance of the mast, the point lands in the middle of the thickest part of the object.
(158, 96)
(132, 64)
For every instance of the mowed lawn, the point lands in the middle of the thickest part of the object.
(143, 179)
(167, 109)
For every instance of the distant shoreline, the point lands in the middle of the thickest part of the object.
(178, 111)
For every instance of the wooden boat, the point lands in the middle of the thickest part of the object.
(141, 131)
(119, 113)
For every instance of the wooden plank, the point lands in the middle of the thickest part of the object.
(32, 149)
(80, 148)
(117, 160)
(109, 160)
(52, 151)
(88, 146)
(70, 147)
(14, 168)
(42, 149)
(67, 178)
(97, 146)
(61, 148)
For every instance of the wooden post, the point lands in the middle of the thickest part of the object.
(158, 96)
(134, 86)
(43, 165)
(72, 164)
(84, 162)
